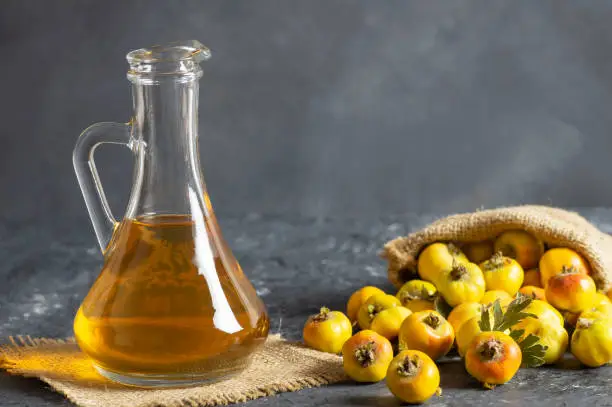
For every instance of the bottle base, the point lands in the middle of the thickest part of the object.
(165, 381)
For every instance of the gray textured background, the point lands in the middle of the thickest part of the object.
(324, 107)
(312, 108)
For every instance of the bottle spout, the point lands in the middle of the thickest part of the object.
(171, 52)
(171, 59)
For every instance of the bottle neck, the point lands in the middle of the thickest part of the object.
(165, 126)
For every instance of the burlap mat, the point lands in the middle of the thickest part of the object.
(279, 366)
(556, 227)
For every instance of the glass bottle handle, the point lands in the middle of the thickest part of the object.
(83, 160)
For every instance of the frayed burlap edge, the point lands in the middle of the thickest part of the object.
(263, 391)
(329, 373)
(556, 227)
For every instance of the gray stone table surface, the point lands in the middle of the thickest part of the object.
(296, 265)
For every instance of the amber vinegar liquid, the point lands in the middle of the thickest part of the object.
(169, 303)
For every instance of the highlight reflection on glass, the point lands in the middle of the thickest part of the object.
(223, 318)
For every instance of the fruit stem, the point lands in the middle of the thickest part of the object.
(432, 320)
(322, 315)
(458, 271)
(409, 366)
(365, 354)
(490, 351)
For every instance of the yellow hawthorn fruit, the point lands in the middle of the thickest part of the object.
(428, 332)
(493, 358)
(327, 331)
(532, 278)
(592, 341)
(595, 313)
(477, 252)
(388, 322)
(417, 295)
(571, 291)
(366, 356)
(437, 258)
(468, 331)
(521, 246)
(601, 309)
(490, 297)
(463, 313)
(544, 311)
(502, 273)
(373, 306)
(601, 305)
(413, 377)
(536, 293)
(552, 335)
(463, 282)
(557, 260)
(357, 299)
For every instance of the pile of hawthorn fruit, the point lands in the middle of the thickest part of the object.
(501, 304)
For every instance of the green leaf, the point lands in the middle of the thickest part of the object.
(514, 314)
(519, 303)
(498, 315)
(485, 320)
(442, 306)
(530, 340)
(516, 335)
(533, 351)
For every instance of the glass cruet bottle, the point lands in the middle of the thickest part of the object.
(171, 306)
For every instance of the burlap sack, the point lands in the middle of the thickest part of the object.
(555, 227)
(278, 366)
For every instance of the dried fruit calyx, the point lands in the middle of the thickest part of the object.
(496, 262)
(584, 323)
(422, 294)
(409, 367)
(432, 320)
(458, 271)
(322, 315)
(452, 249)
(490, 350)
(365, 354)
(373, 310)
(569, 270)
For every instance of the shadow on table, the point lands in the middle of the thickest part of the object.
(28, 387)
(454, 376)
(375, 400)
